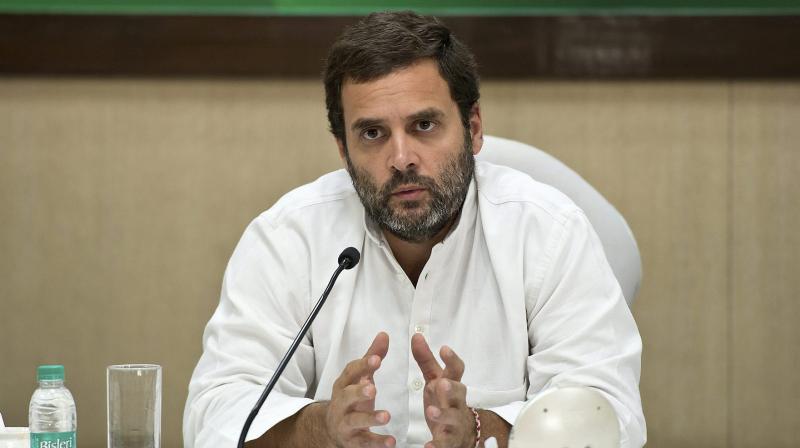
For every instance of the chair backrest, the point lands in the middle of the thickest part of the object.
(617, 239)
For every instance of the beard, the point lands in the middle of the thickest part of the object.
(417, 220)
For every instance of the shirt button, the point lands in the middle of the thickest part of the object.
(417, 384)
(419, 329)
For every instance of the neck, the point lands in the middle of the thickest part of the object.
(412, 256)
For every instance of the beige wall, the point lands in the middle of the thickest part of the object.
(121, 200)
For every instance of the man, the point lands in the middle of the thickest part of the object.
(501, 276)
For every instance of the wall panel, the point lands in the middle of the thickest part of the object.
(122, 199)
(120, 203)
(658, 152)
(765, 277)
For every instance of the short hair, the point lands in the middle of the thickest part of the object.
(387, 41)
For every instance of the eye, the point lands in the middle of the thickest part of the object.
(371, 133)
(425, 125)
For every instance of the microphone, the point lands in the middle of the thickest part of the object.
(347, 260)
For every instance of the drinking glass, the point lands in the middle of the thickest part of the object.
(133, 393)
(14, 437)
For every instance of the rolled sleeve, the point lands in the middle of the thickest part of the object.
(258, 316)
(581, 331)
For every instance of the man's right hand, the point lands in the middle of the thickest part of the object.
(351, 411)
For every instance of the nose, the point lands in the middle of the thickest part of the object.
(402, 153)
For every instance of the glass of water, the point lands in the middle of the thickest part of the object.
(133, 393)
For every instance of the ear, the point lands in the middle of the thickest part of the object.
(342, 150)
(476, 128)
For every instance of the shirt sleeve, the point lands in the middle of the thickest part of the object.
(260, 311)
(580, 329)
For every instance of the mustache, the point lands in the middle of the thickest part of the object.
(407, 177)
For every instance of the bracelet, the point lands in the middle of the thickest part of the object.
(477, 427)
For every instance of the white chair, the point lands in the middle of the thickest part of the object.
(617, 239)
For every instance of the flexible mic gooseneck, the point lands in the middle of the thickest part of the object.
(347, 260)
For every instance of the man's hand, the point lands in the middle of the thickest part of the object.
(351, 411)
(451, 422)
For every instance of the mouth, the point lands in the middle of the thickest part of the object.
(408, 193)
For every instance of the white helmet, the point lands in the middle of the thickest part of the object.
(568, 417)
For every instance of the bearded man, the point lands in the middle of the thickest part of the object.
(478, 289)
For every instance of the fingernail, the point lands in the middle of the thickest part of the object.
(368, 391)
(382, 417)
(435, 412)
(446, 386)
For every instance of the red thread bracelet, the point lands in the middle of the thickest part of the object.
(477, 427)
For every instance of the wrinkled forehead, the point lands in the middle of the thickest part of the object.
(400, 93)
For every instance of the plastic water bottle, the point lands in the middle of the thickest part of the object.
(51, 417)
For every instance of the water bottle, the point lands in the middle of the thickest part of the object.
(51, 417)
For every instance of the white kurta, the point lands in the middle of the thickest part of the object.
(520, 289)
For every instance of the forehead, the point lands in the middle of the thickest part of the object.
(399, 94)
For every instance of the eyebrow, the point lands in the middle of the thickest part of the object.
(364, 123)
(430, 114)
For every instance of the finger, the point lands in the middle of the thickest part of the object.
(447, 393)
(451, 417)
(364, 420)
(443, 390)
(435, 444)
(433, 413)
(372, 440)
(453, 365)
(454, 393)
(429, 393)
(424, 357)
(356, 369)
(359, 396)
(379, 346)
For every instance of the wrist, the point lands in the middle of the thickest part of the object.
(492, 425)
(476, 429)
(317, 415)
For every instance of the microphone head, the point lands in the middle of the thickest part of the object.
(349, 257)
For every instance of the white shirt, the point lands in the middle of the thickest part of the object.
(520, 289)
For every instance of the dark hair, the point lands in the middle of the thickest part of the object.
(387, 41)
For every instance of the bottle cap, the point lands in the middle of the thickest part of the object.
(50, 373)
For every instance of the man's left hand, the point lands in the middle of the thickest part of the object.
(450, 420)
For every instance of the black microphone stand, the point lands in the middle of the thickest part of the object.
(347, 260)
